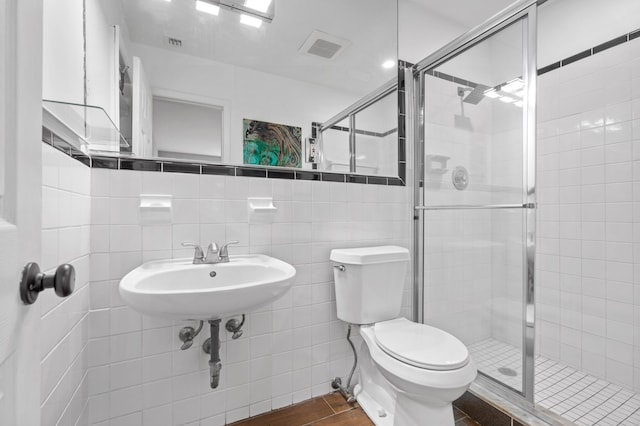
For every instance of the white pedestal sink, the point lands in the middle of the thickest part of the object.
(178, 289)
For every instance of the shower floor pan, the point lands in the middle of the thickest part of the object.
(566, 391)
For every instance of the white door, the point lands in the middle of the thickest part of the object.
(142, 112)
(20, 206)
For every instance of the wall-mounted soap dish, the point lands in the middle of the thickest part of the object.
(436, 164)
(261, 209)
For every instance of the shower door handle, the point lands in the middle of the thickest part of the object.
(476, 207)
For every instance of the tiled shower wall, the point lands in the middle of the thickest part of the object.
(457, 274)
(289, 351)
(473, 257)
(64, 326)
(589, 215)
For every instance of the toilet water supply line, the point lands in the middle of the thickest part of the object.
(347, 391)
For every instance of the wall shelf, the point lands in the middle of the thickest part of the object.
(88, 128)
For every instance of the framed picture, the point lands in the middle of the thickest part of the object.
(270, 144)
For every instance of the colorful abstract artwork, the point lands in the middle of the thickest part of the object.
(270, 144)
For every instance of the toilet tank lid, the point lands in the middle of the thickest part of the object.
(369, 255)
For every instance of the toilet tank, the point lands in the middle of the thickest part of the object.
(370, 287)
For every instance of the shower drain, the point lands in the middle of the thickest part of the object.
(507, 371)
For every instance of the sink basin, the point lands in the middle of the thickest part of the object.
(178, 289)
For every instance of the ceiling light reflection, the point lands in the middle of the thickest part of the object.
(259, 5)
(251, 21)
(514, 85)
(491, 93)
(207, 7)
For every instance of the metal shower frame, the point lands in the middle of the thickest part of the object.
(525, 10)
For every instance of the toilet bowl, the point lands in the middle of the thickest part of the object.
(410, 373)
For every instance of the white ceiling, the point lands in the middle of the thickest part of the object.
(369, 25)
(466, 13)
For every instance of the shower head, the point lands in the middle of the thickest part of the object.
(475, 96)
(461, 121)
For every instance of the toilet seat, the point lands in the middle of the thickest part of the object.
(420, 345)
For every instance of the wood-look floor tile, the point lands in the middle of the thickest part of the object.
(297, 415)
(354, 417)
(457, 414)
(466, 421)
(338, 403)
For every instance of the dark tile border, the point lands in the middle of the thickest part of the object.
(402, 149)
(356, 179)
(210, 169)
(333, 177)
(402, 120)
(142, 165)
(174, 167)
(118, 163)
(281, 174)
(576, 57)
(375, 180)
(104, 163)
(611, 43)
(548, 68)
(590, 52)
(304, 175)
(251, 172)
(554, 66)
(81, 157)
(47, 136)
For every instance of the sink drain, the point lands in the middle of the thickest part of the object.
(507, 371)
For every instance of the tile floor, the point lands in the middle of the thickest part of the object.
(326, 410)
(574, 395)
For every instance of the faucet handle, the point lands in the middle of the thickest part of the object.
(224, 252)
(190, 244)
(198, 254)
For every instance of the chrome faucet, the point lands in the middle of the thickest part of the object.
(223, 254)
(214, 254)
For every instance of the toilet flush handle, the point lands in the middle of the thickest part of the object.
(340, 268)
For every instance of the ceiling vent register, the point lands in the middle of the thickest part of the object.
(323, 45)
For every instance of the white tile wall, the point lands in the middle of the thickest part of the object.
(65, 322)
(290, 350)
(588, 254)
(473, 266)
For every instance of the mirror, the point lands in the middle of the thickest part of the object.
(158, 68)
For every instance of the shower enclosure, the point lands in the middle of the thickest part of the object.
(477, 203)
(526, 179)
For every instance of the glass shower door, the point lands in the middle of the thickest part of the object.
(478, 198)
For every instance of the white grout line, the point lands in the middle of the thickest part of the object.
(577, 396)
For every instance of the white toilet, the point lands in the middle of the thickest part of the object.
(410, 373)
